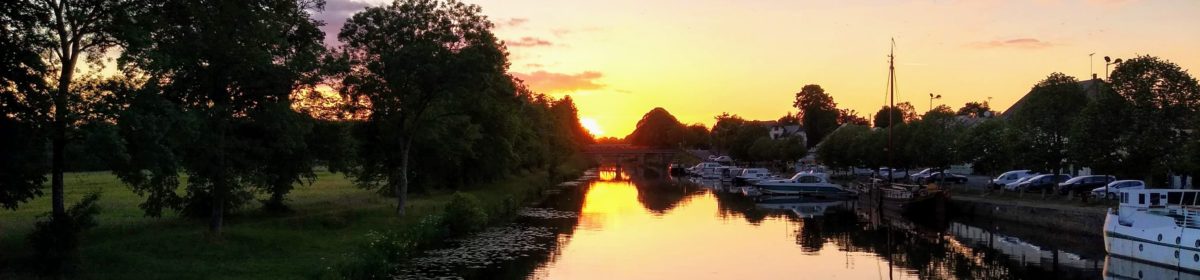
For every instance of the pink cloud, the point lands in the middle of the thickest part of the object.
(1018, 43)
(551, 82)
(528, 42)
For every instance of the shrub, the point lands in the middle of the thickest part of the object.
(464, 214)
(56, 240)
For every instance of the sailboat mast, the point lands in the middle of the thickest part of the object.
(891, 105)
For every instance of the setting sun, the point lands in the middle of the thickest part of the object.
(592, 126)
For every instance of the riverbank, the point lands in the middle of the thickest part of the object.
(332, 218)
(1052, 214)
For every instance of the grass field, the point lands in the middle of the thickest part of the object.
(331, 217)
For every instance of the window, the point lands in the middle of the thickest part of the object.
(1174, 197)
(1141, 198)
(810, 179)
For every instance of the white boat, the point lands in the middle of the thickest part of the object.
(753, 175)
(706, 169)
(803, 183)
(1156, 226)
(728, 173)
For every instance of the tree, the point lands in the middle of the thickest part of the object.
(23, 109)
(1093, 140)
(988, 146)
(933, 137)
(1163, 104)
(411, 59)
(881, 116)
(657, 128)
(696, 137)
(818, 112)
(789, 119)
(849, 116)
(1045, 118)
(217, 101)
(839, 151)
(976, 110)
(63, 33)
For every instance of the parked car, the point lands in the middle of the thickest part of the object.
(1111, 190)
(1009, 177)
(1084, 183)
(861, 171)
(945, 177)
(1013, 186)
(1042, 182)
(895, 173)
(917, 177)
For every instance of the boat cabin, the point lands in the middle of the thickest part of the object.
(1183, 206)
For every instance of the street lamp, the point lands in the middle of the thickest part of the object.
(931, 98)
(1108, 61)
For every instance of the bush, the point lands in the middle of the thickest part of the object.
(56, 240)
(464, 214)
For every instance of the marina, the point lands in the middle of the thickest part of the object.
(765, 236)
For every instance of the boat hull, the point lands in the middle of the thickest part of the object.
(823, 190)
(1168, 246)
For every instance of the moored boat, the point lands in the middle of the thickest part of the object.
(1156, 226)
(804, 184)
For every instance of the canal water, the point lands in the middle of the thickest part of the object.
(638, 225)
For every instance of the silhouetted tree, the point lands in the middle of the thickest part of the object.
(1045, 118)
(411, 59)
(64, 34)
(1163, 104)
(657, 128)
(818, 113)
(849, 116)
(23, 109)
(976, 110)
(217, 101)
(881, 116)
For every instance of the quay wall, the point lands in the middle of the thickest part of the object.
(1058, 218)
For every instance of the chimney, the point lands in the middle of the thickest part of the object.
(1094, 76)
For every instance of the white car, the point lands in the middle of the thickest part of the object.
(916, 177)
(1009, 177)
(1113, 189)
(1013, 186)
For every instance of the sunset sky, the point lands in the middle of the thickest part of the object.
(618, 59)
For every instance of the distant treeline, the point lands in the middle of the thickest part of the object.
(1140, 123)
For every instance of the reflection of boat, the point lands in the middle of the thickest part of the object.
(805, 207)
(1122, 268)
(1156, 226)
(804, 183)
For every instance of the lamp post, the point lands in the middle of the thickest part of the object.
(931, 98)
(1108, 61)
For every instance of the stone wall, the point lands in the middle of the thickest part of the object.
(1077, 220)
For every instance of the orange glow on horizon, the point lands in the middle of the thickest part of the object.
(592, 127)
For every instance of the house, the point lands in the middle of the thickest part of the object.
(1091, 89)
(779, 131)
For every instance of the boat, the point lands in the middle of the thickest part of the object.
(706, 169)
(728, 173)
(804, 183)
(753, 175)
(1156, 226)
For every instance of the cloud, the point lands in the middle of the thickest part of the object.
(528, 42)
(1018, 43)
(512, 22)
(551, 82)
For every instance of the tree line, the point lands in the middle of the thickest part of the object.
(1139, 123)
(205, 98)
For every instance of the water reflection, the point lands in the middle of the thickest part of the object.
(632, 227)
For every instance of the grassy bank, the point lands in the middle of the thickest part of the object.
(331, 218)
